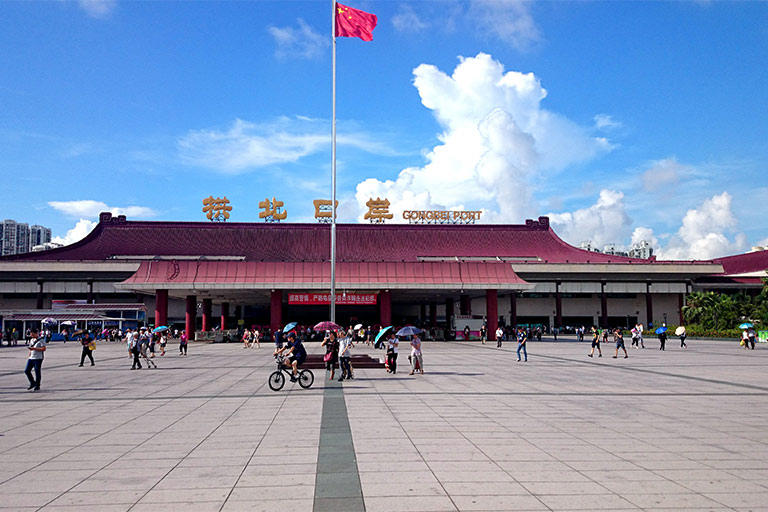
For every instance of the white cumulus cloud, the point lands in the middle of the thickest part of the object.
(302, 41)
(496, 138)
(98, 8)
(604, 222)
(703, 233)
(89, 209)
(80, 231)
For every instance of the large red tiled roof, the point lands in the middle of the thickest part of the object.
(744, 263)
(317, 275)
(116, 237)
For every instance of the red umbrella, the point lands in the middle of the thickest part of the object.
(327, 326)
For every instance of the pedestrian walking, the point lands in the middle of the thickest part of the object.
(163, 342)
(595, 342)
(639, 327)
(345, 346)
(635, 338)
(683, 335)
(134, 347)
(663, 340)
(183, 343)
(392, 344)
(255, 336)
(416, 358)
(483, 333)
(751, 335)
(499, 336)
(246, 338)
(36, 348)
(88, 347)
(152, 339)
(522, 338)
(331, 357)
(466, 333)
(618, 338)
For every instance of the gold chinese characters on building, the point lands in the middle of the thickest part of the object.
(323, 209)
(272, 210)
(378, 210)
(216, 209)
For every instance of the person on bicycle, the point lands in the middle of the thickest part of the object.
(296, 354)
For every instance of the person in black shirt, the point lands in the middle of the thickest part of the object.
(296, 354)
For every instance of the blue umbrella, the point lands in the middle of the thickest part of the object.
(408, 330)
(291, 326)
(746, 325)
(381, 333)
(160, 328)
(661, 330)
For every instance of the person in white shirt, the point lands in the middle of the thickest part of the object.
(345, 346)
(499, 336)
(392, 343)
(35, 361)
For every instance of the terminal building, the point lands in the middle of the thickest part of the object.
(206, 275)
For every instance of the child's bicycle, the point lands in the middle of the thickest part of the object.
(277, 379)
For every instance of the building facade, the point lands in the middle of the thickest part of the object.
(202, 275)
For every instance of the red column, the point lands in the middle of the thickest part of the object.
(385, 308)
(433, 314)
(465, 305)
(276, 310)
(207, 307)
(161, 307)
(191, 317)
(224, 315)
(492, 312)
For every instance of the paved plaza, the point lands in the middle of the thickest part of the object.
(675, 430)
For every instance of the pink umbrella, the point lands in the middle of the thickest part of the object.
(327, 326)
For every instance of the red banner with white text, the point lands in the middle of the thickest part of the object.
(311, 299)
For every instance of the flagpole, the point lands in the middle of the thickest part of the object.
(333, 166)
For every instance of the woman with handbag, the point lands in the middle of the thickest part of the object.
(331, 356)
(88, 347)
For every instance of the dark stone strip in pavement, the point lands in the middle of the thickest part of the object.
(337, 484)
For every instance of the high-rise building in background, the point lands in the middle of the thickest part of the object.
(19, 237)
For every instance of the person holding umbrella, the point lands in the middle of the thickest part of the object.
(662, 332)
(680, 331)
(88, 347)
(331, 357)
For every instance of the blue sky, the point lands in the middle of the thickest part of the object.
(620, 120)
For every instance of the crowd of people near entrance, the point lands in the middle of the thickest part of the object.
(143, 344)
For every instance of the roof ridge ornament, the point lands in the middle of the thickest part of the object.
(542, 223)
(108, 218)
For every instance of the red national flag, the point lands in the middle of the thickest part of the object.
(354, 23)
